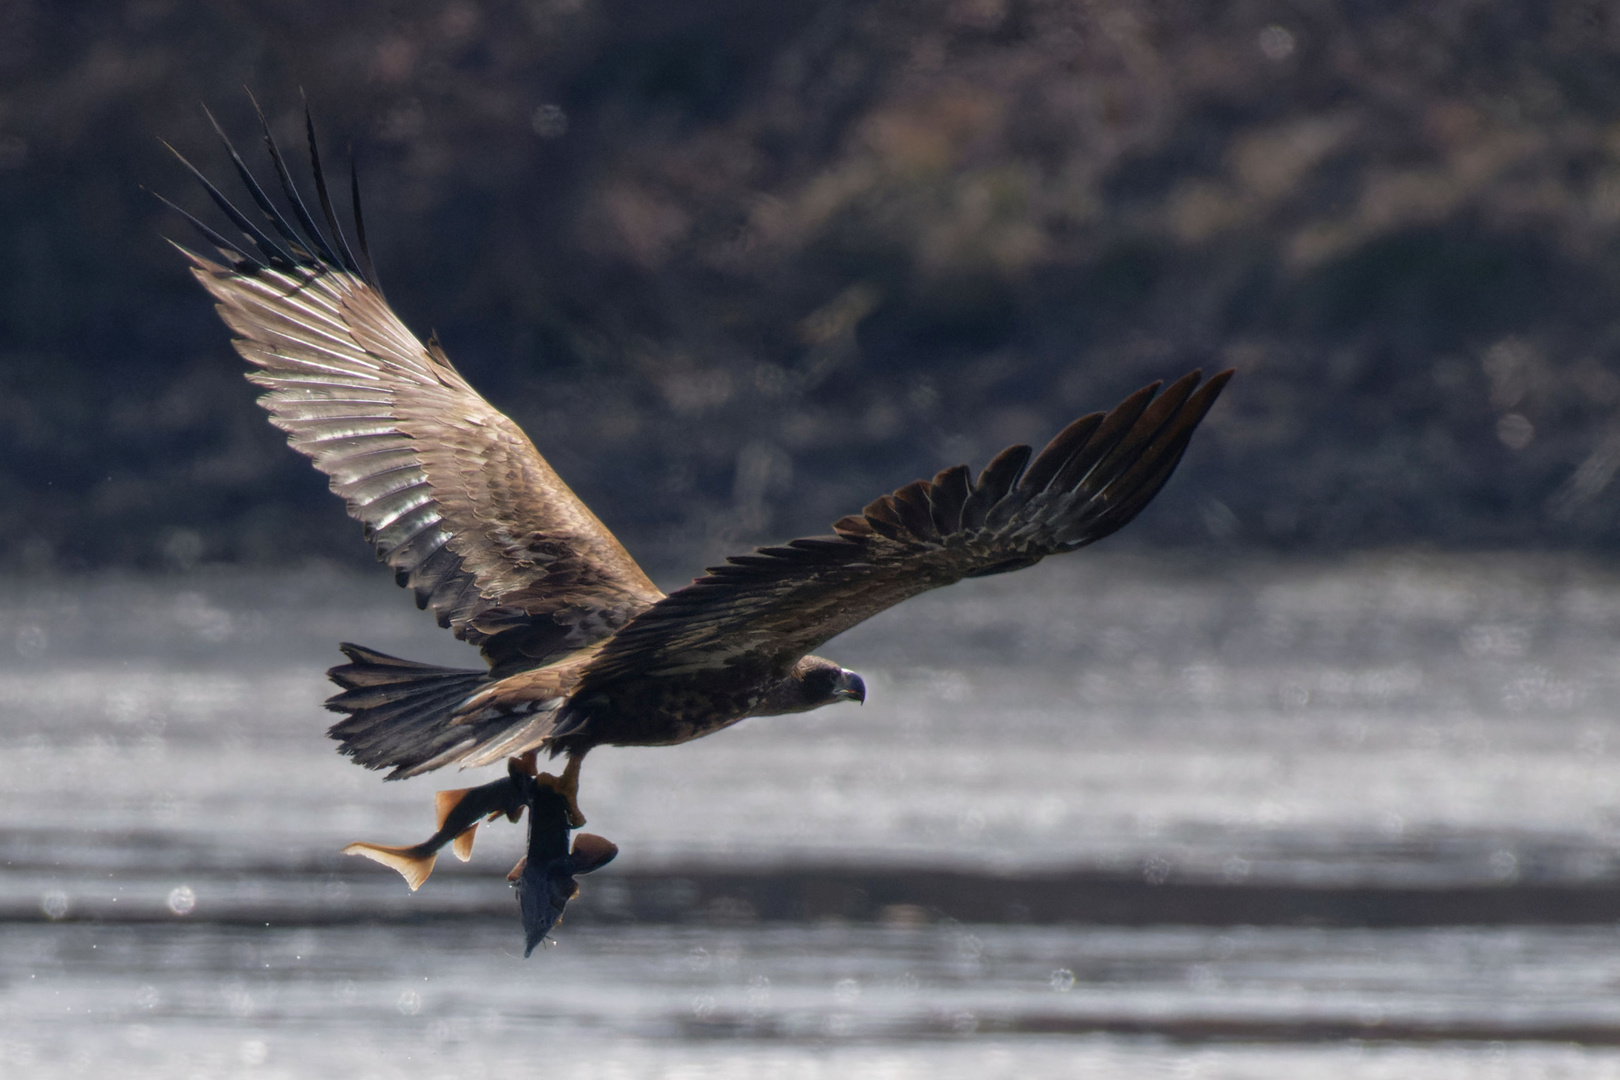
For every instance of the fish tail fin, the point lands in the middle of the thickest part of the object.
(445, 804)
(412, 866)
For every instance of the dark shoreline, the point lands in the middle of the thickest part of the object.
(897, 897)
(1208, 1029)
(1088, 897)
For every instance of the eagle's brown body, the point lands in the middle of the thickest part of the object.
(583, 649)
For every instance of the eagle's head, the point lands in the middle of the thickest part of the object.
(812, 683)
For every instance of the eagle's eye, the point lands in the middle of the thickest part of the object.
(818, 683)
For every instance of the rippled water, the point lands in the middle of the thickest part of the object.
(456, 999)
(1385, 723)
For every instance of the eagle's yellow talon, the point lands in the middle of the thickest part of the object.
(567, 785)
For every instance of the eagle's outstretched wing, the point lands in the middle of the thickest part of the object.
(779, 603)
(451, 492)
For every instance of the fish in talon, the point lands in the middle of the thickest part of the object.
(459, 813)
(545, 876)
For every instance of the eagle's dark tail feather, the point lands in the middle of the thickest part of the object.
(398, 711)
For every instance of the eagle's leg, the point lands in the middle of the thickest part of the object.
(567, 785)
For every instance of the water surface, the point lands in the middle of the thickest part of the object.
(1391, 723)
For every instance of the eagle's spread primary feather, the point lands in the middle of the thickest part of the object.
(583, 649)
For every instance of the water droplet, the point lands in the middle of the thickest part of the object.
(182, 548)
(549, 122)
(55, 904)
(1515, 431)
(410, 1003)
(1062, 981)
(31, 642)
(182, 900)
(1276, 43)
(847, 991)
(1219, 520)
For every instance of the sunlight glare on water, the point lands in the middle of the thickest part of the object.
(1390, 722)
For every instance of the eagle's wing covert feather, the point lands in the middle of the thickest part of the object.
(779, 603)
(453, 495)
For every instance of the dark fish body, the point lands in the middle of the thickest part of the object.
(545, 878)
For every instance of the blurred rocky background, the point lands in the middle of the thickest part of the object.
(740, 267)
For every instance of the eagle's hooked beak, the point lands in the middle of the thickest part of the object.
(850, 686)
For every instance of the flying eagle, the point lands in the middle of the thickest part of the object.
(582, 648)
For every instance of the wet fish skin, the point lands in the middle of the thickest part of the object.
(545, 878)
